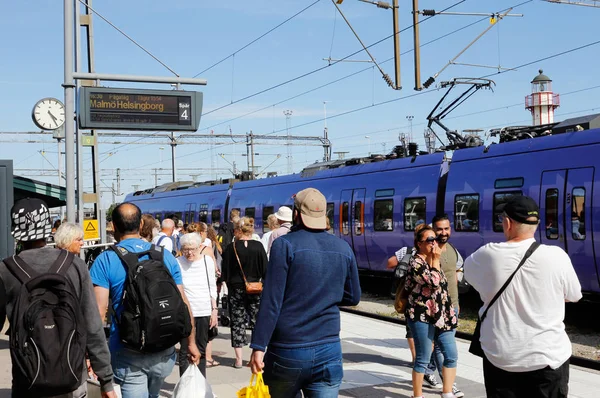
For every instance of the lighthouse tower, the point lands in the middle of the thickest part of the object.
(542, 102)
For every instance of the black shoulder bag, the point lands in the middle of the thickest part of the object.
(475, 347)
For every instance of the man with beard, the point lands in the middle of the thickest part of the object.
(451, 264)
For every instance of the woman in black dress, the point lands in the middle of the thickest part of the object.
(243, 307)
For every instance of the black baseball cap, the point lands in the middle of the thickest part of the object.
(30, 220)
(520, 208)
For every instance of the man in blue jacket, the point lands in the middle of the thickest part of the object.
(310, 274)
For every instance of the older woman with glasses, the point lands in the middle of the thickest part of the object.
(69, 236)
(429, 312)
(198, 276)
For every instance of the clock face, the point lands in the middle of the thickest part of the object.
(48, 114)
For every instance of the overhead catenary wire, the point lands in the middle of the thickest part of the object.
(306, 74)
(257, 39)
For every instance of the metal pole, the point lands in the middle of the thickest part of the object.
(79, 151)
(417, 46)
(252, 154)
(69, 87)
(248, 152)
(155, 177)
(118, 182)
(59, 161)
(396, 44)
(173, 145)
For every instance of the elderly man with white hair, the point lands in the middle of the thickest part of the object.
(69, 236)
(164, 236)
(199, 283)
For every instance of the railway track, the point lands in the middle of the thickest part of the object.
(575, 360)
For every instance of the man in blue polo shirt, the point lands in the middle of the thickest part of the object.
(138, 374)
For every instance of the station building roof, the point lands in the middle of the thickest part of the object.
(53, 195)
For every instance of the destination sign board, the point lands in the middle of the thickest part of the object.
(132, 109)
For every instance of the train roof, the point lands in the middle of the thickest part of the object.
(528, 145)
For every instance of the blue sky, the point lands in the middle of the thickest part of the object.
(190, 36)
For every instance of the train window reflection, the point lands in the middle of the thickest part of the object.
(344, 215)
(552, 213)
(383, 215)
(215, 218)
(267, 211)
(466, 213)
(249, 212)
(358, 218)
(578, 213)
(414, 213)
(500, 200)
(330, 215)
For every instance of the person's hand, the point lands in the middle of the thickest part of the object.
(436, 252)
(193, 354)
(109, 394)
(256, 361)
(213, 320)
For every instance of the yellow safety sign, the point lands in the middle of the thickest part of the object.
(90, 230)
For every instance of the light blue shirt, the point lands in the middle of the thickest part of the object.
(108, 271)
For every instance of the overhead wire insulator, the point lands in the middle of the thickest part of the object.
(429, 82)
(383, 4)
(428, 13)
(388, 80)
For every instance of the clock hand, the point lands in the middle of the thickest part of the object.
(53, 118)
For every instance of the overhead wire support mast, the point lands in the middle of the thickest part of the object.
(494, 19)
(384, 5)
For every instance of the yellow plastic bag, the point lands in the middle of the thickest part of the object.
(256, 389)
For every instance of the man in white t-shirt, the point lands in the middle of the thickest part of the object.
(164, 236)
(523, 336)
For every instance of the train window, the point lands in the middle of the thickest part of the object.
(552, 213)
(159, 216)
(578, 213)
(466, 213)
(203, 213)
(509, 183)
(383, 215)
(175, 215)
(215, 218)
(500, 199)
(330, 215)
(249, 212)
(267, 211)
(344, 216)
(359, 218)
(414, 213)
(381, 193)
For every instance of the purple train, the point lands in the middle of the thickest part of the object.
(374, 204)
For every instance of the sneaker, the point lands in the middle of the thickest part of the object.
(432, 381)
(457, 393)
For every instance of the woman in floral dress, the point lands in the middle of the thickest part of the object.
(429, 313)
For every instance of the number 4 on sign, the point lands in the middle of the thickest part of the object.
(184, 114)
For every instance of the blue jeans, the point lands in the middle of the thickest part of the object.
(437, 358)
(142, 375)
(317, 371)
(425, 334)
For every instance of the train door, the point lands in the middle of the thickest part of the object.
(566, 205)
(189, 214)
(352, 223)
(578, 225)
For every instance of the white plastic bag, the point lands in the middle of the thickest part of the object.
(192, 385)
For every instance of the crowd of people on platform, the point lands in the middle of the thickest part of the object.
(271, 288)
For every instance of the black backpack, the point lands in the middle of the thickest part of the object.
(400, 273)
(47, 329)
(154, 315)
(225, 235)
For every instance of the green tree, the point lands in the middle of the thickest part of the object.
(110, 210)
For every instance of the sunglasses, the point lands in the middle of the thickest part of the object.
(431, 239)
